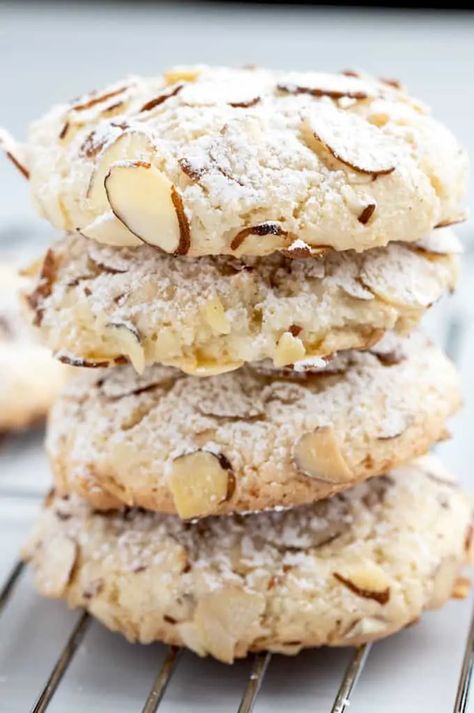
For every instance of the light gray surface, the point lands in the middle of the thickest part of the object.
(51, 52)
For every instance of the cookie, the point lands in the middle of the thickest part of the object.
(252, 439)
(30, 378)
(209, 161)
(356, 567)
(100, 304)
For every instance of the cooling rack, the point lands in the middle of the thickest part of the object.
(70, 633)
(54, 660)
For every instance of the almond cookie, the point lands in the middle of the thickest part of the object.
(356, 567)
(30, 378)
(208, 161)
(252, 439)
(97, 304)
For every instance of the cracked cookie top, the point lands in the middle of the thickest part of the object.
(252, 439)
(349, 569)
(208, 161)
(96, 304)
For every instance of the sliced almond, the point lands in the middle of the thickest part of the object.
(122, 124)
(44, 286)
(245, 103)
(156, 101)
(196, 168)
(469, 544)
(93, 588)
(118, 145)
(354, 288)
(199, 482)
(191, 637)
(389, 434)
(57, 563)
(207, 368)
(166, 346)
(317, 455)
(267, 368)
(444, 580)
(49, 498)
(236, 407)
(127, 340)
(367, 580)
(117, 384)
(351, 140)
(373, 337)
(215, 316)
(94, 98)
(73, 360)
(445, 435)
(320, 84)
(391, 82)
(379, 119)
(392, 426)
(295, 329)
(149, 205)
(350, 73)
(365, 629)
(274, 238)
(32, 269)
(299, 249)
(366, 214)
(461, 589)
(14, 152)
(182, 74)
(288, 350)
(311, 365)
(442, 241)
(109, 230)
(376, 275)
(454, 220)
(92, 144)
(225, 617)
(388, 356)
(236, 93)
(192, 171)
(113, 109)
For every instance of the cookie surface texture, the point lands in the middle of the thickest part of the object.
(347, 570)
(211, 161)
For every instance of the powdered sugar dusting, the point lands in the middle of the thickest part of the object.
(388, 403)
(335, 302)
(153, 576)
(242, 136)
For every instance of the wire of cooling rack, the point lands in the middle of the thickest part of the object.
(10, 583)
(257, 674)
(61, 665)
(258, 670)
(350, 678)
(161, 681)
(465, 679)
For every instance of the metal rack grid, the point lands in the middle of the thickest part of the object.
(258, 670)
(260, 663)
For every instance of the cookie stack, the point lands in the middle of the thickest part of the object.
(246, 255)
